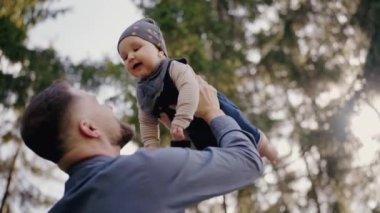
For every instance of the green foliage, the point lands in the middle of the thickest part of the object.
(367, 18)
(26, 66)
(210, 34)
(11, 39)
(304, 51)
(23, 72)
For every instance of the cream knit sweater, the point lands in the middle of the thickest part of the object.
(184, 79)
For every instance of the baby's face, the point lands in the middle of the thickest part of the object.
(140, 57)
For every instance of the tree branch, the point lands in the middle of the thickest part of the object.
(9, 180)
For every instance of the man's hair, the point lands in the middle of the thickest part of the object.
(41, 123)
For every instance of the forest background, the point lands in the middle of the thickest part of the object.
(306, 72)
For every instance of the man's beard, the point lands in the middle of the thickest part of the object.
(126, 134)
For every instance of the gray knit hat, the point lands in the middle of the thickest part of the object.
(148, 30)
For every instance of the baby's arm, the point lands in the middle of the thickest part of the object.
(149, 130)
(184, 79)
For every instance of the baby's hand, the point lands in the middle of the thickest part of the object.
(164, 119)
(177, 133)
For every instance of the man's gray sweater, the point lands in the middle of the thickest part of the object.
(165, 180)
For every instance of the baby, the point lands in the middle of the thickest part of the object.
(169, 87)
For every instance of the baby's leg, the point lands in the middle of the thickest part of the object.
(261, 141)
(200, 134)
(268, 150)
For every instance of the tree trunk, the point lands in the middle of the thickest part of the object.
(4, 207)
(245, 204)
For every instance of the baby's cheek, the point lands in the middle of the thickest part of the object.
(126, 67)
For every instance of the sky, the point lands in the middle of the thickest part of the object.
(88, 31)
(91, 28)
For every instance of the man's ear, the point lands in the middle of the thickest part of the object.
(87, 129)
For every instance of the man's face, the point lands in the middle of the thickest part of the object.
(102, 116)
(126, 134)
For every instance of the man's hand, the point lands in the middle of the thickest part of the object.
(208, 107)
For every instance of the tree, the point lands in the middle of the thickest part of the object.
(24, 72)
(295, 65)
(298, 69)
(21, 74)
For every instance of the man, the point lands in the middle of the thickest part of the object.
(69, 127)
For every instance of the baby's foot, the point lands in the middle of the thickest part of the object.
(269, 151)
